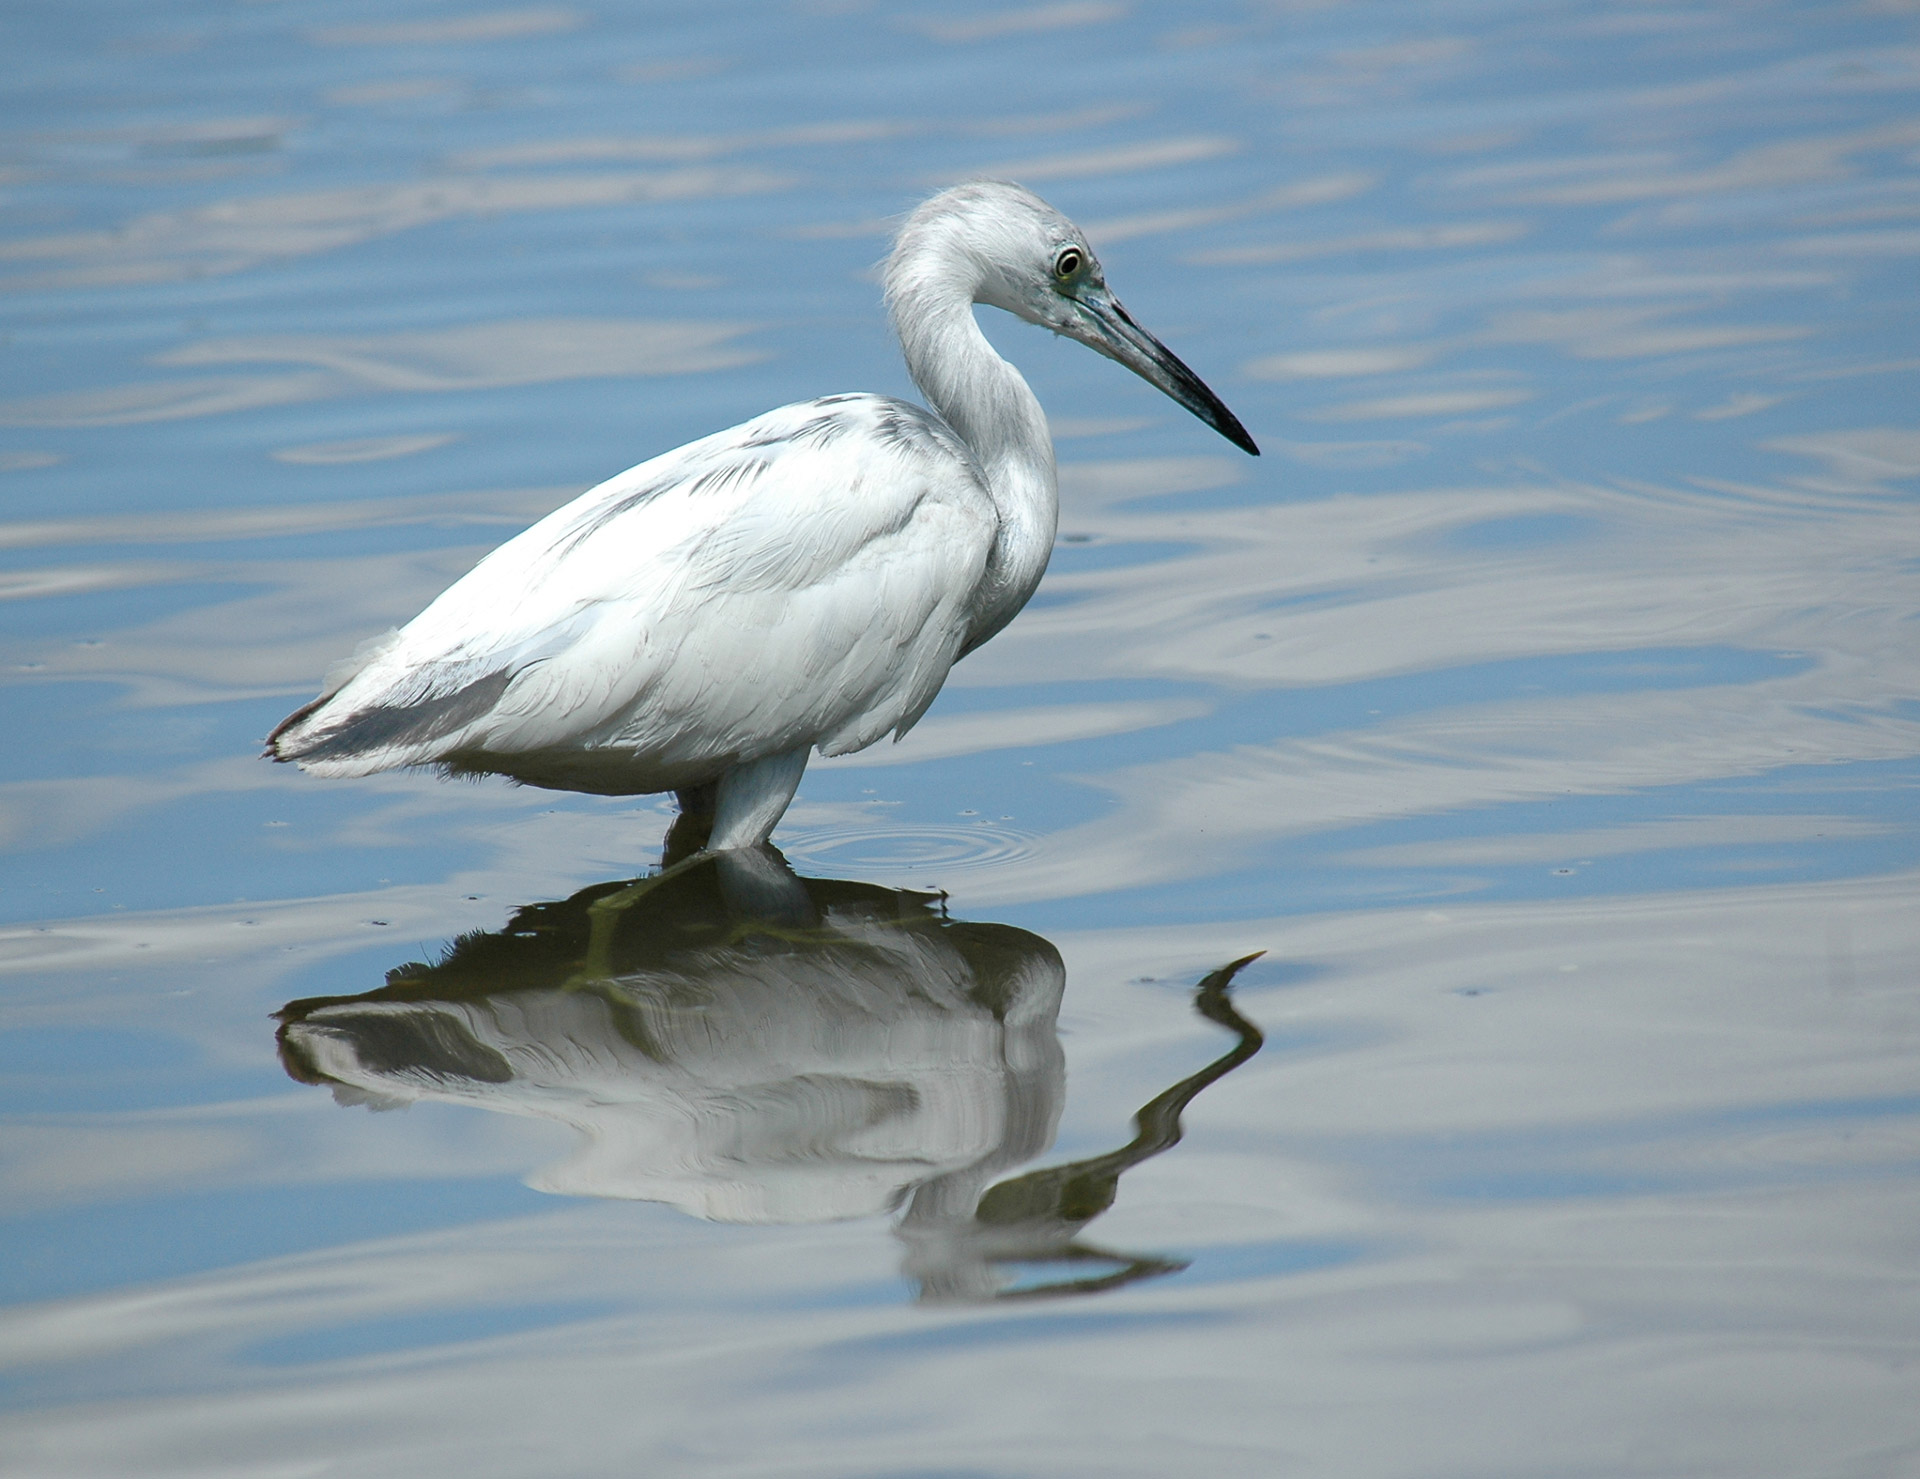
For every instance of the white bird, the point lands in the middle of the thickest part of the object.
(805, 580)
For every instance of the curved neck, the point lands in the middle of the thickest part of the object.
(987, 402)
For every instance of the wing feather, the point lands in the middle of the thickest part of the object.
(803, 578)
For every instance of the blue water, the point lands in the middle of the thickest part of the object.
(1544, 702)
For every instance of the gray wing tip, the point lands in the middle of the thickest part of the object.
(275, 750)
(400, 730)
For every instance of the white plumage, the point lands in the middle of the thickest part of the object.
(704, 621)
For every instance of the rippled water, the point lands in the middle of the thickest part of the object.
(1543, 704)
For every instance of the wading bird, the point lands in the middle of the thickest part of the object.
(704, 621)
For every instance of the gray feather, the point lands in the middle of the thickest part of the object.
(391, 726)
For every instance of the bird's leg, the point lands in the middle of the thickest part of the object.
(751, 798)
(689, 832)
(762, 892)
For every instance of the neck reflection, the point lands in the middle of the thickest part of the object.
(750, 1046)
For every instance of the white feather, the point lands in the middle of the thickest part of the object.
(802, 581)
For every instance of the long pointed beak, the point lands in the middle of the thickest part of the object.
(1112, 331)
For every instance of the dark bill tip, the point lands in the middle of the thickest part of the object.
(1159, 366)
(1228, 425)
(1192, 392)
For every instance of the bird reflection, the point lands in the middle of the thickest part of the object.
(1034, 1220)
(751, 1046)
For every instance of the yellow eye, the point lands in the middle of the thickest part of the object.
(1070, 261)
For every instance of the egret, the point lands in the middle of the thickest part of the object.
(703, 622)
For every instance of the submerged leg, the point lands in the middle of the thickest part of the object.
(759, 886)
(753, 797)
(697, 801)
(690, 830)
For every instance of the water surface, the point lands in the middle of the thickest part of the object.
(1543, 705)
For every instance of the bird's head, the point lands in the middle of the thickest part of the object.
(1008, 248)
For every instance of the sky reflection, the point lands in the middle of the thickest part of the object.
(1542, 703)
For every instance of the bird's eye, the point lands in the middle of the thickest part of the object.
(1068, 262)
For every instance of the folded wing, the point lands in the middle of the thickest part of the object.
(804, 578)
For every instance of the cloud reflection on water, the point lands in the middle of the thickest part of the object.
(489, 25)
(237, 235)
(364, 449)
(480, 356)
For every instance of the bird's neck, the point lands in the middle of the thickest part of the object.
(987, 402)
